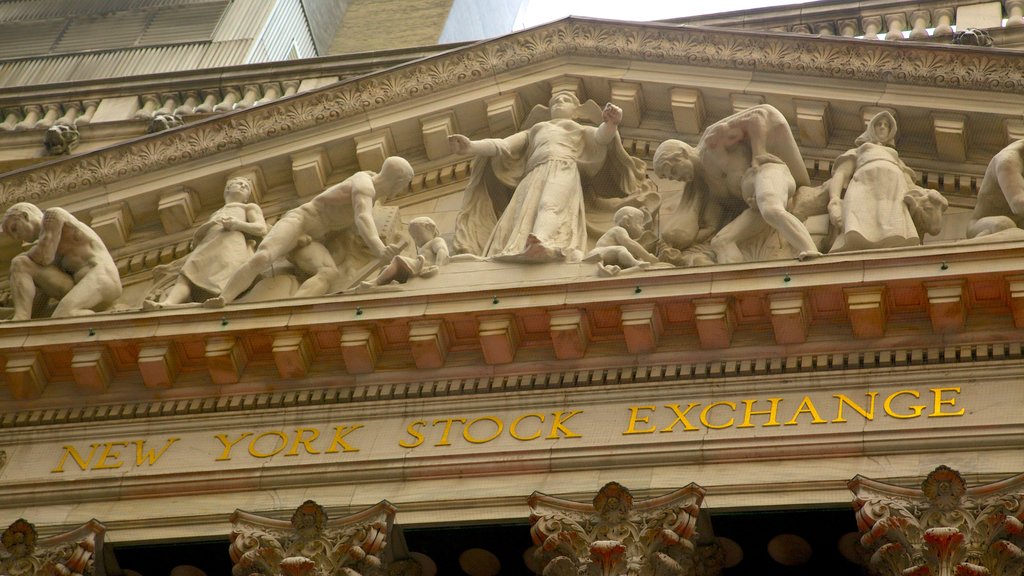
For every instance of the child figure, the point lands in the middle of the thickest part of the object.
(618, 249)
(431, 254)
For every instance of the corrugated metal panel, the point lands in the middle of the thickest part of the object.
(22, 10)
(244, 19)
(286, 29)
(103, 32)
(176, 24)
(225, 54)
(20, 39)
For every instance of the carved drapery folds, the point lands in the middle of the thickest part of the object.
(615, 536)
(311, 544)
(943, 529)
(23, 553)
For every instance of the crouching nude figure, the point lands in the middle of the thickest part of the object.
(67, 262)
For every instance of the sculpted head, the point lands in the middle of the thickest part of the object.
(422, 229)
(881, 130)
(563, 104)
(22, 221)
(395, 175)
(237, 190)
(676, 160)
(633, 219)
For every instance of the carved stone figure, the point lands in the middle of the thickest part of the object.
(61, 139)
(527, 199)
(220, 246)
(875, 211)
(1000, 204)
(343, 207)
(748, 161)
(164, 121)
(67, 261)
(23, 553)
(617, 536)
(944, 528)
(620, 248)
(431, 254)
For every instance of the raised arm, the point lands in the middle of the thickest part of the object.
(363, 195)
(612, 116)
(44, 252)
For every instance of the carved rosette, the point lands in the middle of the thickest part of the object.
(311, 544)
(615, 536)
(23, 553)
(943, 529)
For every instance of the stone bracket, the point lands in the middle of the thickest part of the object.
(812, 120)
(158, 365)
(570, 333)
(1015, 287)
(568, 84)
(113, 224)
(178, 208)
(950, 136)
(310, 169)
(226, 358)
(630, 97)
(687, 110)
(436, 129)
(504, 114)
(91, 368)
(865, 306)
(360, 348)
(642, 325)
(714, 320)
(790, 317)
(499, 338)
(373, 148)
(947, 304)
(293, 353)
(428, 340)
(741, 102)
(26, 373)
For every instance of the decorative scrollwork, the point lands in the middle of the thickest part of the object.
(71, 554)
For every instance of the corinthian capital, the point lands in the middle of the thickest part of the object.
(943, 528)
(617, 536)
(23, 552)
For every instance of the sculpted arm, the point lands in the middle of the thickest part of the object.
(612, 116)
(841, 177)
(254, 225)
(362, 210)
(44, 252)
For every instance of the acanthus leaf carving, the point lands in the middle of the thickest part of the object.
(23, 553)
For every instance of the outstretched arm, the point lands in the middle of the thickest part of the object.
(460, 144)
(44, 252)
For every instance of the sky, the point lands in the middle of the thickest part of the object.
(540, 11)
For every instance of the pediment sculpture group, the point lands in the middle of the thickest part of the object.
(563, 189)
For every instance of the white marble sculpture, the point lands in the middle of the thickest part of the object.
(873, 198)
(620, 248)
(346, 207)
(1000, 204)
(220, 246)
(431, 253)
(527, 199)
(67, 261)
(749, 162)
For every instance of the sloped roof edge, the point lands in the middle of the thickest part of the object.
(925, 65)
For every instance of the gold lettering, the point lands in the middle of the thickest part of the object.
(917, 410)
(281, 446)
(634, 418)
(339, 439)
(867, 414)
(558, 424)
(299, 433)
(939, 402)
(704, 415)
(806, 407)
(70, 451)
(515, 434)
(447, 428)
(771, 412)
(681, 417)
(101, 464)
(228, 445)
(498, 427)
(150, 457)
(412, 431)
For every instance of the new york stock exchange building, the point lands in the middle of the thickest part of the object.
(311, 289)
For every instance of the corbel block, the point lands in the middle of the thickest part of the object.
(714, 320)
(741, 102)
(629, 97)
(91, 368)
(429, 343)
(26, 375)
(1015, 286)
(570, 333)
(812, 121)
(158, 365)
(254, 174)
(568, 84)
(687, 110)
(436, 129)
(113, 224)
(499, 338)
(177, 209)
(950, 136)
(504, 114)
(226, 358)
(865, 306)
(309, 171)
(790, 317)
(946, 305)
(373, 148)
(642, 326)
(293, 353)
(360, 349)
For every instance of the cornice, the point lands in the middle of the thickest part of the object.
(963, 68)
